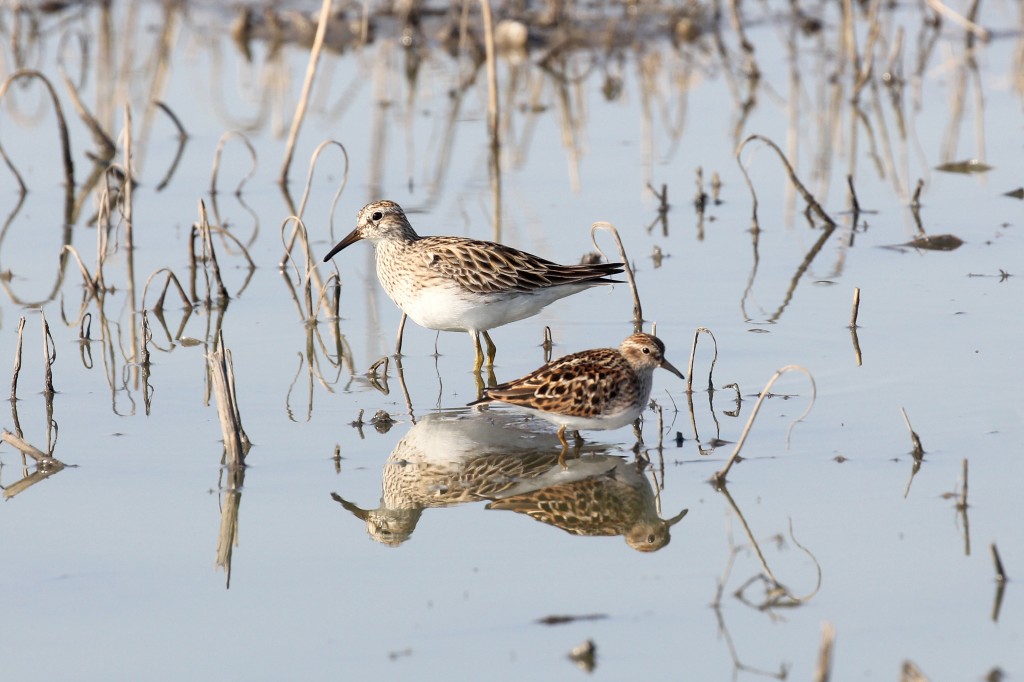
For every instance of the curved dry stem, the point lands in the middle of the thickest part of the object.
(62, 126)
(90, 284)
(321, 300)
(171, 277)
(693, 351)
(210, 255)
(638, 315)
(309, 178)
(245, 252)
(289, 243)
(808, 197)
(216, 160)
(718, 479)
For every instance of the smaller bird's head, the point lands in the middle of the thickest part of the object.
(644, 351)
(377, 221)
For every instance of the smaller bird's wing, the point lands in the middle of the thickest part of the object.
(487, 267)
(577, 385)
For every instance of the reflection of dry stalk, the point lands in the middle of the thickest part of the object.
(227, 534)
(307, 86)
(62, 129)
(182, 139)
(222, 375)
(824, 668)
(1000, 582)
(718, 479)
(638, 315)
(46, 465)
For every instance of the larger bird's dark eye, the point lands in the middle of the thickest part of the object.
(376, 215)
(647, 351)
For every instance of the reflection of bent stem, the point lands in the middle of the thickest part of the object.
(46, 464)
(718, 479)
(778, 594)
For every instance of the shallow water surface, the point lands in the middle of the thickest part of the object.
(446, 542)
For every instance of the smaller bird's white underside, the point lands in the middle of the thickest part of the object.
(451, 308)
(605, 422)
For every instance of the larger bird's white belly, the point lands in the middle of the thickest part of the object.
(450, 308)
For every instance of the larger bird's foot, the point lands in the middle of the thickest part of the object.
(478, 361)
(492, 350)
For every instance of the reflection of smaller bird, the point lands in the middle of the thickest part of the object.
(458, 284)
(603, 388)
(448, 459)
(615, 501)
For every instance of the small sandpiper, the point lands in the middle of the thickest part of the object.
(602, 388)
(459, 284)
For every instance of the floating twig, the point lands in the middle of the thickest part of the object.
(718, 479)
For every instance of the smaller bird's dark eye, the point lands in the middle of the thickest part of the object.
(377, 215)
(647, 351)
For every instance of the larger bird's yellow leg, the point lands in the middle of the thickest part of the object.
(478, 363)
(565, 446)
(491, 349)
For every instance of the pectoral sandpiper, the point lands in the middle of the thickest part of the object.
(602, 389)
(459, 284)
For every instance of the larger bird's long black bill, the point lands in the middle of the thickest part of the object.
(665, 364)
(352, 238)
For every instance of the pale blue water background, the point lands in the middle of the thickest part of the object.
(108, 569)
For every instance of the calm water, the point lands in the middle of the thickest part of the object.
(403, 557)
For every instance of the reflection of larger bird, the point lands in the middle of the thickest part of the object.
(448, 459)
(458, 284)
(617, 501)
